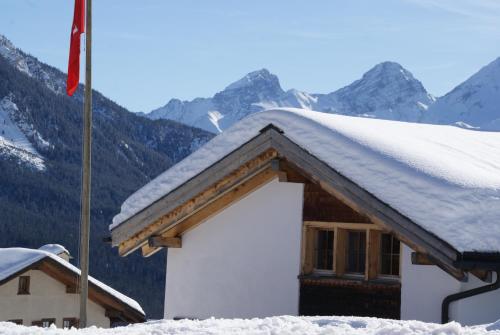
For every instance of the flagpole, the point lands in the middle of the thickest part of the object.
(85, 196)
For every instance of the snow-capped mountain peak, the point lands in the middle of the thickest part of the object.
(255, 79)
(475, 103)
(245, 96)
(386, 91)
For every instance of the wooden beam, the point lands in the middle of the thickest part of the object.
(165, 242)
(172, 215)
(343, 225)
(372, 254)
(156, 243)
(483, 275)
(418, 258)
(214, 207)
(340, 251)
(310, 239)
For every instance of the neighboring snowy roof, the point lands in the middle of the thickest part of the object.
(13, 260)
(445, 179)
(56, 249)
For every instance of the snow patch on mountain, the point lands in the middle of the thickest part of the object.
(14, 134)
(215, 117)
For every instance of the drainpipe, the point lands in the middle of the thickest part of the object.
(445, 307)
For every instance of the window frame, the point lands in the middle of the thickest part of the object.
(347, 253)
(73, 322)
(373, 252)
(49, 320)
(390, 276)
(323, 271)
(21, 290)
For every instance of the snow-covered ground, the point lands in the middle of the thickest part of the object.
(273, 325)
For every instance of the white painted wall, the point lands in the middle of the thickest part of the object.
(243, 262)
(480, 309)
(47, 299)
(423, 288)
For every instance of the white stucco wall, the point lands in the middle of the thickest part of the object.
(423, 288)
(480, 309)
(243, 262)
(47, 299)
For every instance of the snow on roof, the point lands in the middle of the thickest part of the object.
(13, 260)
(446, 179)
(56, 249)
(315, 325)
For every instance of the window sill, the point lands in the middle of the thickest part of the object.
(348, 280)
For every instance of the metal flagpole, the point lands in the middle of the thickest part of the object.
(85, 196)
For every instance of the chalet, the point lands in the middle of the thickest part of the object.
(306, 213)
(39, 287)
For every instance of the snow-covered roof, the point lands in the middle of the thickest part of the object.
(55, 249)
(445, 179)
(13, 260)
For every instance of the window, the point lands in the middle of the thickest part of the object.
(356, 252)
(47, 322)
(323, 251)
(16, 321)
(36, 323)
(389, 255)
(70, 322)
(344, 248)
(24, 285)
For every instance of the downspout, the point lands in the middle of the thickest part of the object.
(445, 307)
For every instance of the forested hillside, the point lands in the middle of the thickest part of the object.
(42, 206)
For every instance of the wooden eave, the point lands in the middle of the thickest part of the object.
(69, 278)
(260, 153)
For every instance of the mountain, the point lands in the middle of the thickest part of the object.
(226, 107)
(40, 161)
(387, 91)
(475, 103)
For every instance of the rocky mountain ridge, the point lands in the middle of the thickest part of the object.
(387, 91)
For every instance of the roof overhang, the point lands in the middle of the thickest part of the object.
(262, 154)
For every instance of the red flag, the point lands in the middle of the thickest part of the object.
(77, 29)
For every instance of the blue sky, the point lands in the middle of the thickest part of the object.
(148, 51)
